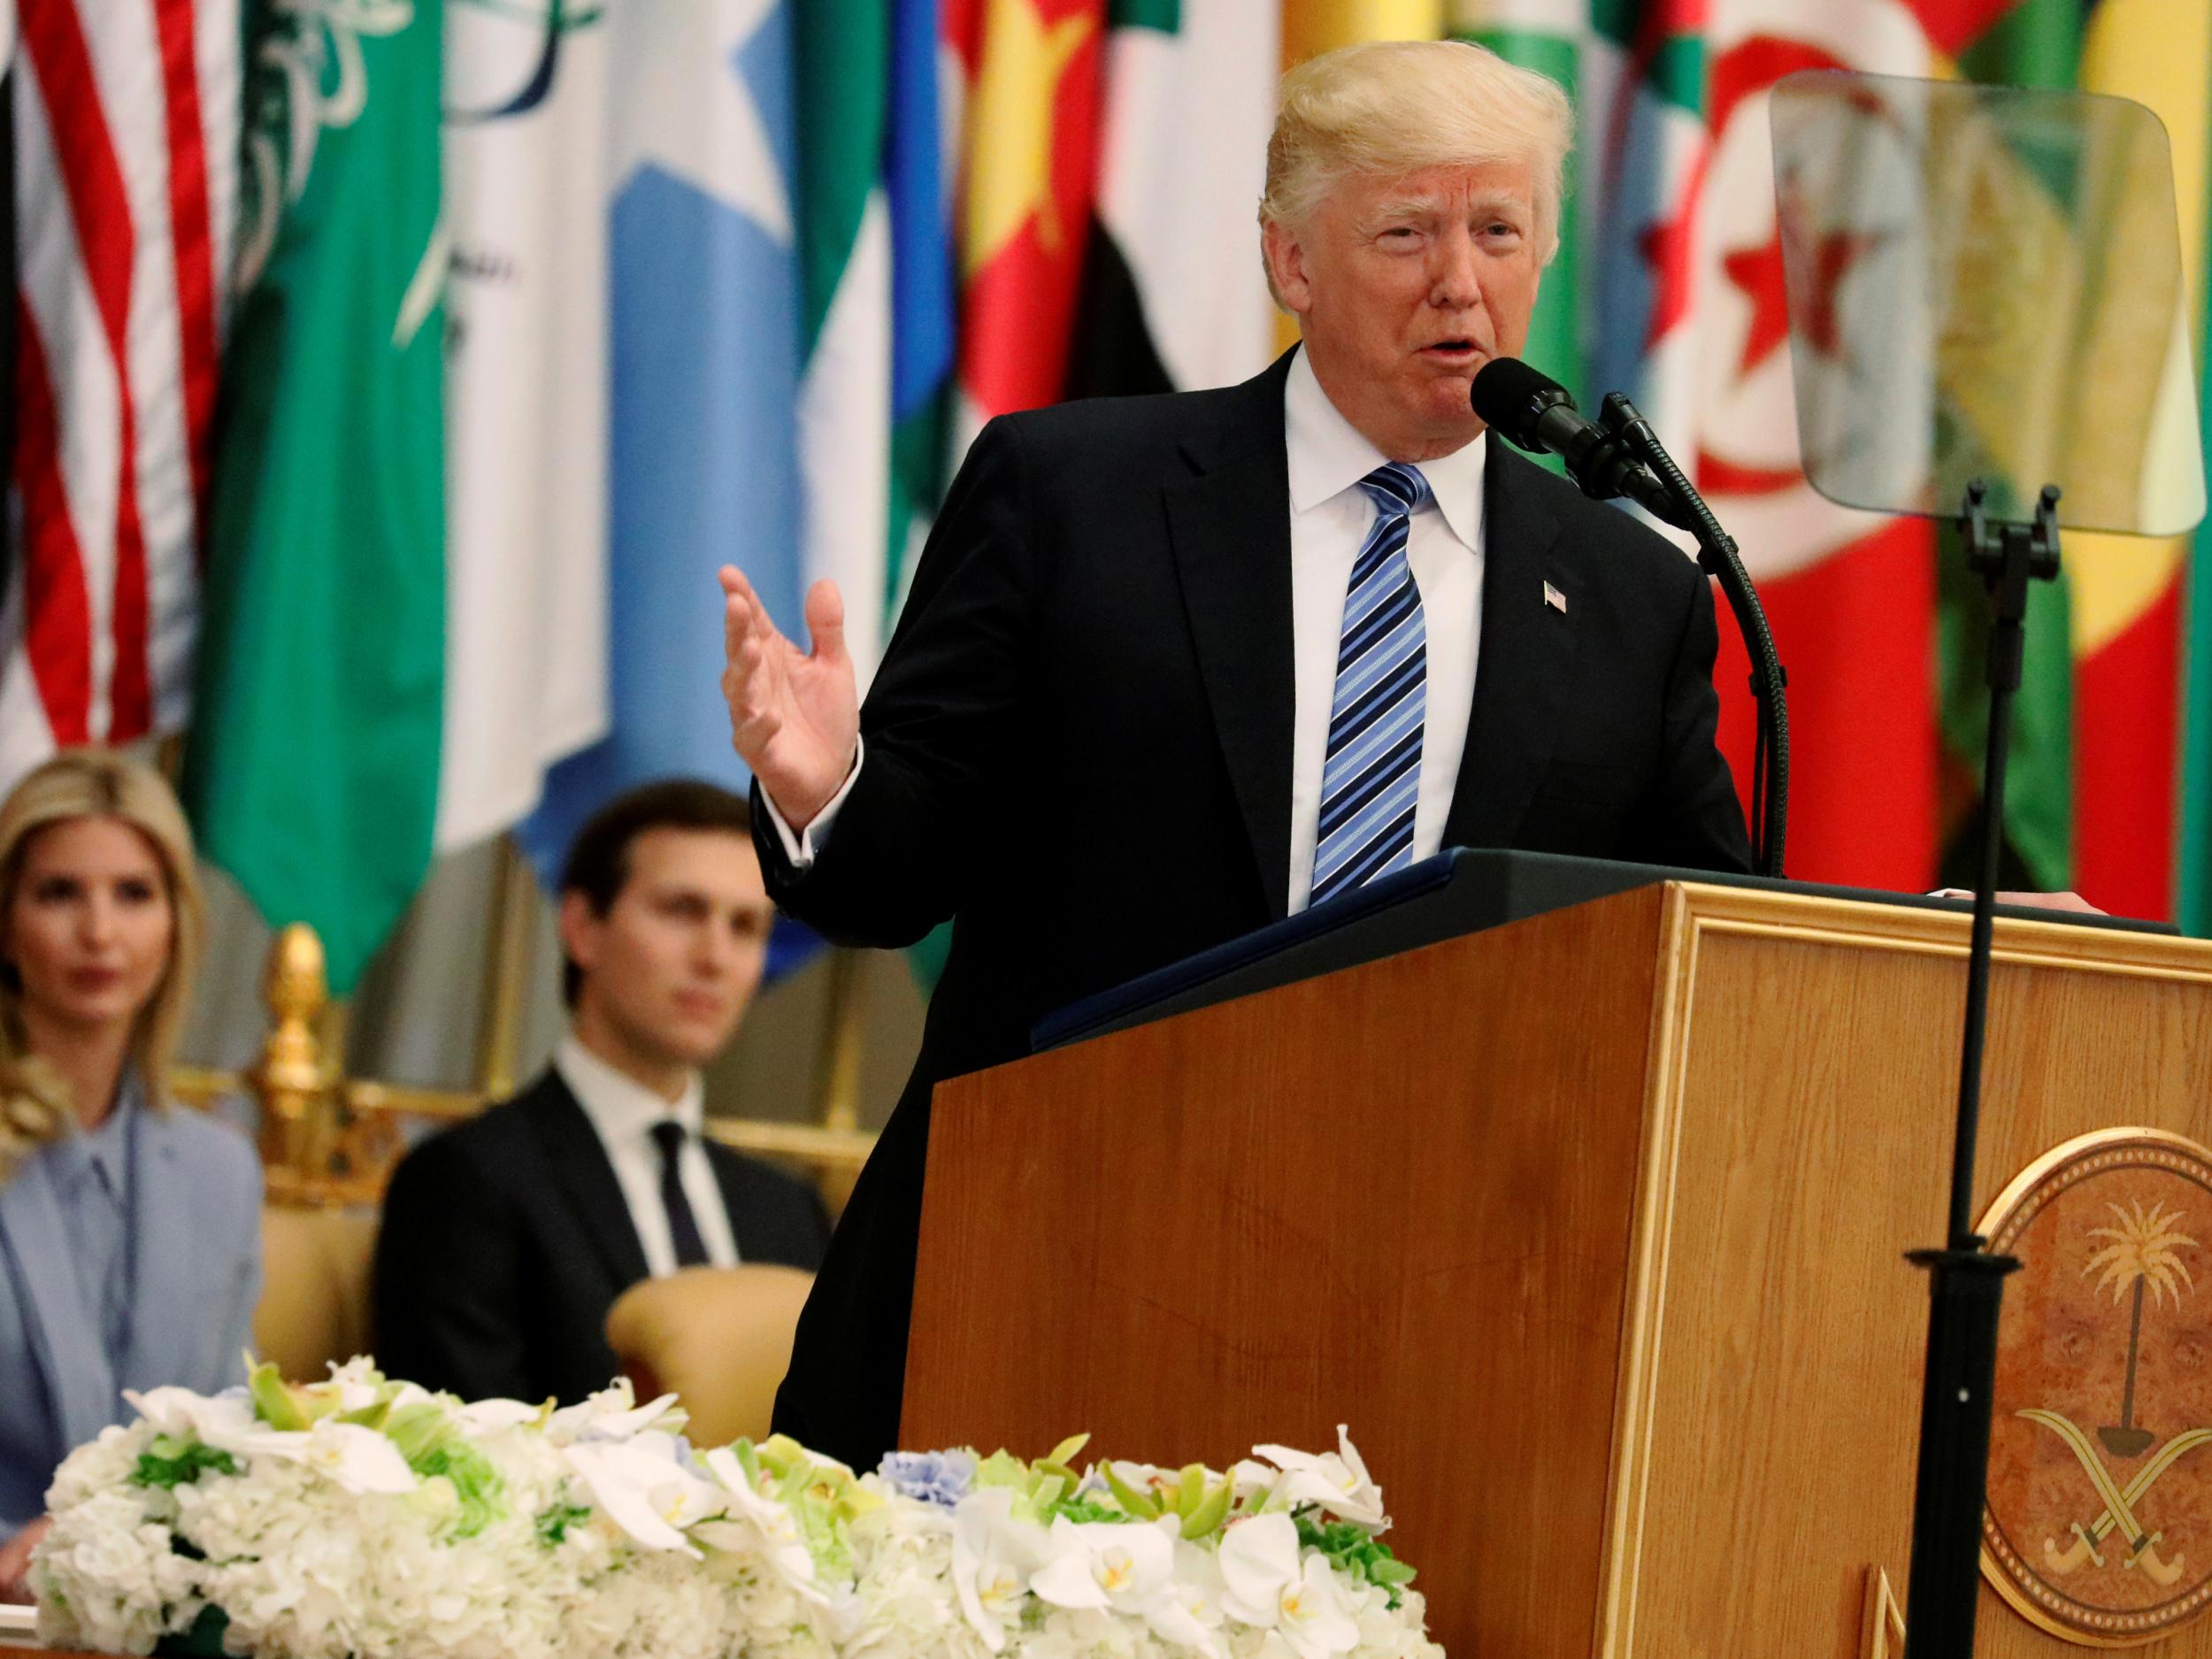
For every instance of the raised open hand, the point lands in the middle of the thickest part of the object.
(794, 715)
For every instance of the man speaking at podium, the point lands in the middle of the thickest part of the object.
(1174, 666)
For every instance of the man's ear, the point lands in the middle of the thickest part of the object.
(580, 930)
(1287, 264)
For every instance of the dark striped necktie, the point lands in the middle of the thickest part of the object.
(1372, 778)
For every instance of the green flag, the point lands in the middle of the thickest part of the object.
(1628, 98)
(1555, 331)
(311, 767)
(2193, 896)
(2036, 43)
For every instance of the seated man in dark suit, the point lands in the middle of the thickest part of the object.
(506, 1240)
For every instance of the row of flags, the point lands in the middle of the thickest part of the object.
(1671, 286)
(392, 376)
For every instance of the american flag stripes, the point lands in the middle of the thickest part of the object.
(125, 117)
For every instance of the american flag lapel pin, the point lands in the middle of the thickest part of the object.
(1556, 600)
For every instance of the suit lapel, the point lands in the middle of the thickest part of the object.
(746, 1221)
(65, 1336)
(165, 1289)
(1525, 664)
(580, 1166)
(1230, 524)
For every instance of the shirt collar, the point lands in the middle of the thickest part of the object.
(1328, 456)
(621, 1107)
(107, 1148)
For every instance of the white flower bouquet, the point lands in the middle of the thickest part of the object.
(370, 1518)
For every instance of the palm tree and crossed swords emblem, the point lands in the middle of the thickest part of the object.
(2143, 1255)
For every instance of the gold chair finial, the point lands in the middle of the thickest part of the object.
(298, 1104)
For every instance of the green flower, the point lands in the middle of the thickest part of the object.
(170, 1461)
(436, 1449)
(1356, 1553)
(554, 1521)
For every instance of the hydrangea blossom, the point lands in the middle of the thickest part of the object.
(939, 1477)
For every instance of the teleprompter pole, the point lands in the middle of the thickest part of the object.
(1966, 1282)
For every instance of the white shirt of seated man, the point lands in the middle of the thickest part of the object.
(662, 976)
(624, 1113)
(1403, 287)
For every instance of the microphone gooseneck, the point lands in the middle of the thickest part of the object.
(1535, 412)
(1620, 455)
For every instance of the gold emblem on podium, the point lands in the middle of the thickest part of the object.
(2098, 1523)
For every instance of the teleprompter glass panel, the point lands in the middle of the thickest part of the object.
(1986, 282)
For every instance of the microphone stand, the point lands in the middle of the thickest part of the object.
(1966, 1283)
(1717, 556)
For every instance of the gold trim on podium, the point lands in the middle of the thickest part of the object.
(1694, 910)
(1630, 1479)
(1882, 1624)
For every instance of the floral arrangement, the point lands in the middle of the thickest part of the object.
(368, 1518)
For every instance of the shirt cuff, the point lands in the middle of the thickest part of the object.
(800, 849)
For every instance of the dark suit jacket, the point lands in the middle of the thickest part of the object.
(1078, 747)
(506, 1238)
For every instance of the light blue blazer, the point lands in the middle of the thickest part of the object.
(195, 1255)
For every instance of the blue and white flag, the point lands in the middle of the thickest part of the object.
(703, 295)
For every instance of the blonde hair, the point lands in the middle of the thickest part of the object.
(1387, 108)
(99, 783)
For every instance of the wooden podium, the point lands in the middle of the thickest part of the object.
(1591, 1226)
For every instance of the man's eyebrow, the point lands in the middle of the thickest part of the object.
(1504, 202)
(1408, 207)
(1422, 206)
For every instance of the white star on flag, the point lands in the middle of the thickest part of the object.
(664, 52)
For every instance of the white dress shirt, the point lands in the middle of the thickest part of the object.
(1330, 516)
(1329, 519)
(623, 1112)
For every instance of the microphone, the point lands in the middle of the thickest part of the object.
(1622, 455)
(1536, 413)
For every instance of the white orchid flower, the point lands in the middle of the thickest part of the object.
(992, 1557)
(639, 1485)
(1190, 1611)
(488, 1417)
(180, 1411)
(358, 1459)
(1251, 1483)
(1336, 1481)
(756, 1522)
(1264, 1586)
(1104, 1564)
(608, 1416)
(357, 1383)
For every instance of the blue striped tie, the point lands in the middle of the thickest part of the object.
(1372, 776)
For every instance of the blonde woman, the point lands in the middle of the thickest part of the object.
(130, 1228)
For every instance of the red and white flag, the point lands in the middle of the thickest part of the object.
(126, 124)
